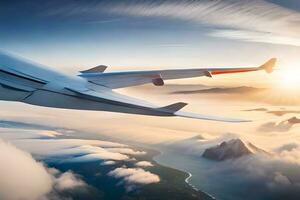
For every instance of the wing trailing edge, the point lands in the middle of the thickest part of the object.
(209, 117)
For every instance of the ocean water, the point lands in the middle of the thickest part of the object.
(222, 187)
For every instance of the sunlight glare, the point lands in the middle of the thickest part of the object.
(290, 79)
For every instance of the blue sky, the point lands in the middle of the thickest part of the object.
(150, 34)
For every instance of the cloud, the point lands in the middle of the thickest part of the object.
(280, 112)
(109, 162)
(269, 177)
(144, 164)
(281, 179)
(76, 150)
(67, 181)
(248, 20)
(274, 176)
(134, 177)
(98, 156)
(222, 90)
(283, 126)
(287, 147)
(275, 127)
(18, 167)
(252, 36)
(126, 151)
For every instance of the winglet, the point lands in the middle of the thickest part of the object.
(174, 107)
(98, 69)
(269, 65)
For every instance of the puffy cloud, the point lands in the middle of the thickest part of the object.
(134, 177)
(76, 150)
(18, 167)
(287, 147)
(144, 164)
(126, 151)
(275, 127)
(14, 133)
(98, 156)
(282, 126)
(67, 181)
(281, 179)
(109, 162)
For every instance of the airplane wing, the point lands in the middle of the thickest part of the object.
(31, 83)
(115, 80)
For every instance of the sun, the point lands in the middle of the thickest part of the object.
(290, 79)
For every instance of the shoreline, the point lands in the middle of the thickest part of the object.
(187, 179)
(190, 184)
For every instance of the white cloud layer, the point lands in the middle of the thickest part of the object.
(109, 162)
(67, 181)
(77, 150)
(134, 177)
(144, 164)
(18, 167)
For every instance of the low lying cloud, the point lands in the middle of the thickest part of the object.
(280, 112)
(273, 176)
(98, 157)
(275, 127)
(67, 181)
(109, 162)
(127, 151)
(283, 126)
(76, 150)
(17, 167)
(144, 164)
(132, 178)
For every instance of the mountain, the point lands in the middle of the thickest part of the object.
(221, 90)
(293, 120)
(231, 149)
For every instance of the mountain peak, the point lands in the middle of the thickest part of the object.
(231, 149)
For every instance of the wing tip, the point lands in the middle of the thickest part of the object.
(269, 65)
(174, 107)
(97, 69)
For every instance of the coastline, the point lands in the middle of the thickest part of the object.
(187, 179)
(190, 184)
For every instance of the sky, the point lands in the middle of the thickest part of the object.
(71, 35)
